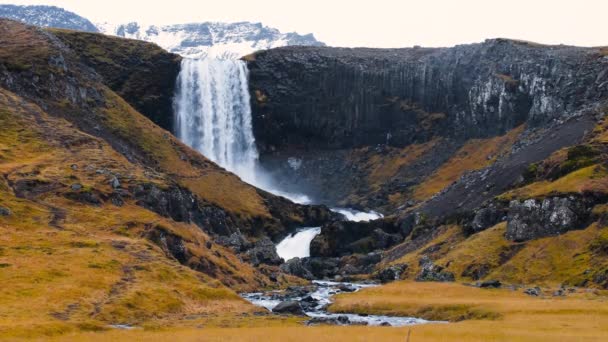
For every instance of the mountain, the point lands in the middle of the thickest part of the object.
(47, 16)
(219, 40)
(197, 40)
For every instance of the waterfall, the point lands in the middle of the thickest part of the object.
(213, 113)
(213, 116)
(298, 243)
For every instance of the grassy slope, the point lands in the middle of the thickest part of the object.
(69, 266)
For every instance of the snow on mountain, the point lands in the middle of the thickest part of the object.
(210, 39)
(47, 16)
(197, 40)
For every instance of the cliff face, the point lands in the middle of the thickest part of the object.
(365, 127)
(141, 73)
(334, 98)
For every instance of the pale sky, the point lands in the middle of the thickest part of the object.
(375, 23)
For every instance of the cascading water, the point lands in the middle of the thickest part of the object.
(213, 114)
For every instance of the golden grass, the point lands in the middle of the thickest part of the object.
(483, 249)
(549, 261)
(446, 237)
(474, 155)
(511, 313)
(579, 317)
(592, 178)
(69, 266)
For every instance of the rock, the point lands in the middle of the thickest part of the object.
(296, 267)
(289, 307)
(346, 288)
(487, 217)
(74, 167)
(359, 263)
(533, 291)
(5, 211)
(322, 268)
(264, 252)
(236, 241)
(385, 324)
(535, 218)
(76, 186)
(491, 284)
(559, 293)
(432, 272)
(114, 183)
(309, 299)
(391, 273)
(340, 238)
(343, 319)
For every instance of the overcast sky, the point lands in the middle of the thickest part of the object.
(376, 23)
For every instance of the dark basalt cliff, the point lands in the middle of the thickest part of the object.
(326, 120)
(318, 97)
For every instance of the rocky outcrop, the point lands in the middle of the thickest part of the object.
(341, 238)
(296, 267)
(535, 218)
(391, 273)
(335, 97)
(487, 216)
(432, 272)
(263, 252)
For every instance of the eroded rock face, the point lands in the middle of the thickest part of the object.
(341, 238)
(264, 252)
(487, 217)
(337, 98)
(535, 218)
(296, 267)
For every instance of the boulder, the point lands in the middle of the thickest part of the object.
(487, 217)
(391, 273)
(114, 183)
(296, 267)
(264, 252)
(533, 291)
(289, 307)
(5, 211)
(491, 284)
(431, 272)
(536, 218)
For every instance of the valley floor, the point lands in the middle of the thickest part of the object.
(483, 314)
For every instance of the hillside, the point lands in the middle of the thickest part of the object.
(114, 227)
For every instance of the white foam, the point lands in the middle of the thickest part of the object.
(358, 216)
(298, 243)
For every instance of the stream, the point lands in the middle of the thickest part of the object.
(315, 299)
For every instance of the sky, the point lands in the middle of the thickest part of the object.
(375, 23)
